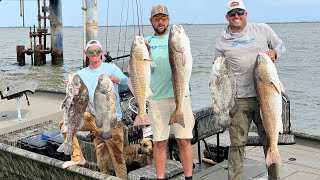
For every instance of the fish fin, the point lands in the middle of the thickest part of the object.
(141, 120)
(184, 58)
(273, 157)
(130, 86)
(177, 117)
(81, 124)
(261, 115)
(63, 128)
(224, 121)
(281, 86)
(63, 104)
(233, 111)
(149, 92)
(89, 107)
(152, 63)
(276, 85)
(280, 125)
(66, 148)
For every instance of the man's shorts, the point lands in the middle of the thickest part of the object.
(160, 112)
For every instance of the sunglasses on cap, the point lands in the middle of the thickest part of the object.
(157, 19)
(91, 51)
(233, 13)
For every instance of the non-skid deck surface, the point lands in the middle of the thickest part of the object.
(301, 161)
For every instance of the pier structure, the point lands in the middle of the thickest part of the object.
(38, 36)
(56, 32)
(90, 24)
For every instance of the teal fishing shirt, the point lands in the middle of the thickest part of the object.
(90, 78)
(160, 82)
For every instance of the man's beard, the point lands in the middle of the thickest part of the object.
(161, 32)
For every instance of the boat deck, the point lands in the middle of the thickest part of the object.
(300, 161)
(44, 106)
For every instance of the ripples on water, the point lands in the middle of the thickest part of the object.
(298, 68)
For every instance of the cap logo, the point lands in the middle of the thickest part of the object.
(233, 4)
(159, 9)
(93, 42)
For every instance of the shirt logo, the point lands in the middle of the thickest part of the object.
(159, 47)
(236, 43)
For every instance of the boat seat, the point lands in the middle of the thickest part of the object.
(206, 125)
(217, 147)
(16, 91)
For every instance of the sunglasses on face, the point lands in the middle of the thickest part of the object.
(239, 12)
(91, 51)
(157, 19)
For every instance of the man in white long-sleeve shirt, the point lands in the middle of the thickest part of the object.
(240, 43)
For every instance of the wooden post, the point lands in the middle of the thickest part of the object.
(38, 57)
(21, 58)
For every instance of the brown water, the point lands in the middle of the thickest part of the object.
(298, 68)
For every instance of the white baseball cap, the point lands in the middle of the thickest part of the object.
(93, 43)
(235, 4)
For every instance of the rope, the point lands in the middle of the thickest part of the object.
(107, 25)
(138, 17)
(141, 18)
(125, 37)
(120, 31)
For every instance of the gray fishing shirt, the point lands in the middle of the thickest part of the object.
(241, 50)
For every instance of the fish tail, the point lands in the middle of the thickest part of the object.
(141, 120)
(273, 156)
(177, 117)
(66, 148)
(224, 121)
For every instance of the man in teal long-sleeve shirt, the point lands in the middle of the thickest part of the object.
(90, 76)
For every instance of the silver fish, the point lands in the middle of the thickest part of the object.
(180, 59)
(139, 81)
(74, 105)
(223, 90)
(268, 89)
(105, 105)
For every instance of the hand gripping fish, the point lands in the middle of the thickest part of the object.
(268, 89)
(74, 105)
(180, 59)
(223, 90)
(139, 81)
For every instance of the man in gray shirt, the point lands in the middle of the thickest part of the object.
(240, 43)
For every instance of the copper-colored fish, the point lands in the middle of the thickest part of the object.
(180, 59)
(139, 81)
(268, 89)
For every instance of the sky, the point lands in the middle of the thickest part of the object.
(181, 11)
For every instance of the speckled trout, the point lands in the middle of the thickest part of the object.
(223, 90)
(105, 105)
(180, 59)
(268, 89)
(74, 105)
(139, 81)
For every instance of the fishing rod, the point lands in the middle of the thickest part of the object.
(109, 58)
